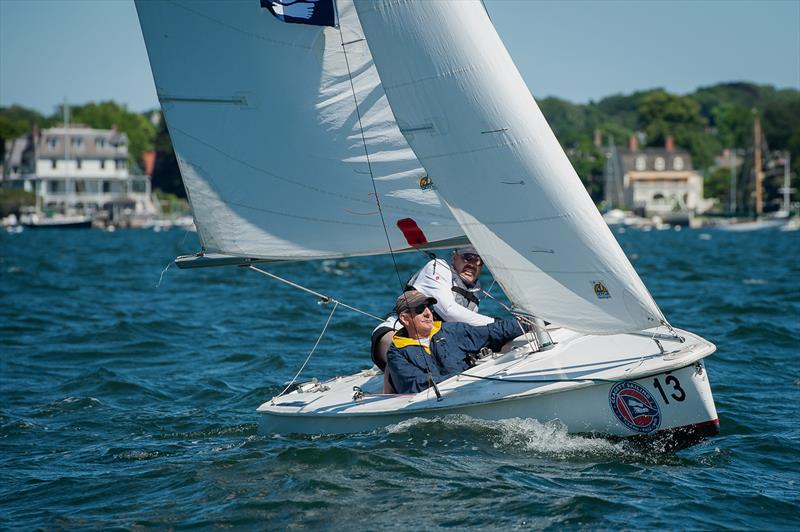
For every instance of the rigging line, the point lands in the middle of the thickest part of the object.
(323, 297)
(312, 351)
(366, 154)
(533, 339)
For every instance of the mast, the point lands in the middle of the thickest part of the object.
(787, 161)
(733, 181)
(757, 164)
(67, 183)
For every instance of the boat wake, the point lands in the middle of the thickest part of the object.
(513, 435)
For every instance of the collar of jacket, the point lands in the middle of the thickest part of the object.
(401, 341)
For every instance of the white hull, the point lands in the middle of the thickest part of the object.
(758, 225)
(586, 368)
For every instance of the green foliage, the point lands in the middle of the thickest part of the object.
(106, 115)
(718, 185)
(12, 200)
(172, 204)
(703, 123)
(16, 121)
(734, 124)
(166, 174)
(662, 114)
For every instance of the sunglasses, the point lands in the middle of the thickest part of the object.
(419, 309)
(472, 258)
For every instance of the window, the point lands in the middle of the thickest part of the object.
(112, 187)
(56, 187)
(79, 164)
(77, 143)
(677, 163)
(100, 142)
(660, 165)
(52, 142)
(121, 164)
(102, 164)
(641, 163)
(139, 186)
(658, 197)
(53, 164)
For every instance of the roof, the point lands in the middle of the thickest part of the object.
(15, 148)
(656, 160)
(94, 143)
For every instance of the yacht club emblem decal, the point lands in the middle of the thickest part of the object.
(425, 183)
(600, 290)
(634, 407)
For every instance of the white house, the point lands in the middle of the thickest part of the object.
(661, 181)
(76, 169)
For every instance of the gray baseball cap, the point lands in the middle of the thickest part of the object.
(412, 299)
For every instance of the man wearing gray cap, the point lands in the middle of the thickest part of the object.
(426, 351)
(455, 288)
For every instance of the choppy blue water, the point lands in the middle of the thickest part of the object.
(123, 404)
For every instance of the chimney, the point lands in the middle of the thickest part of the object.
(669, 143)
(633, 144)
(598, 138)
(149, 162)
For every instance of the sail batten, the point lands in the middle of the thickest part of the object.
(514, 192)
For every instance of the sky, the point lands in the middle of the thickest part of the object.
(92, 50)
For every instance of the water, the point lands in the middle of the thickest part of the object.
(124, 404)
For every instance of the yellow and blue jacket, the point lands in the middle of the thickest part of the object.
(410, 361)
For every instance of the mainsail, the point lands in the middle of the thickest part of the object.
(264, 124)
(474, 126)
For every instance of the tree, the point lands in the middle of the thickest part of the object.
(15, 121)
(662, 114)
(717, 185)
(166, 174)
(734, 124)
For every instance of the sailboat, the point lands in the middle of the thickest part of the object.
(781, 218)
(399, 126)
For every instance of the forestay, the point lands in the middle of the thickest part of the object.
(263, 120)
(471, 121)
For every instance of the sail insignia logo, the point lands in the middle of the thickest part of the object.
(312, 12)
(635, 407)
(600, 290)
(425, 183)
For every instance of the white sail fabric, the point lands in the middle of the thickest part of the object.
(473, 124)
(263, 121)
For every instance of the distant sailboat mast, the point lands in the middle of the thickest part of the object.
(757, 164)
(787, 191)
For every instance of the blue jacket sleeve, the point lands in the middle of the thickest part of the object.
(493, 336)
(408, 370)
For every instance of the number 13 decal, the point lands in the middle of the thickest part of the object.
(677, 392)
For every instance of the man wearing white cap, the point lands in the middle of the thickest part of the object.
(454, 286)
